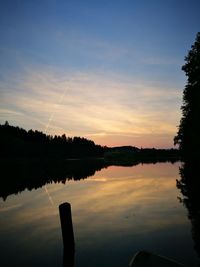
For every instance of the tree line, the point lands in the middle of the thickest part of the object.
(17, 142)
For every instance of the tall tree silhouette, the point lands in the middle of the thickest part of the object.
(188, 135)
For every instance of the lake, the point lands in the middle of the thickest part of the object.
(116, 212)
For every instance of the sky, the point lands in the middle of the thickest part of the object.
(106, 70)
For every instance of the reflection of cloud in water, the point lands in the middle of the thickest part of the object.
(111, 200)
(98, 179)
(120, 199)
(9, 208)
(118, 209)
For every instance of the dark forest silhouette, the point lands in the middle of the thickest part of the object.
(188, 136)
(31, 159)
(188, 140)
(17, 142)
(128, 154)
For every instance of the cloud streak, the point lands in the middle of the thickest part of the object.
(90, 104)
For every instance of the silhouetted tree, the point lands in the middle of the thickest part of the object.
(188, 139)
(188, 136)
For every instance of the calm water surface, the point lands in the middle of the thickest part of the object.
(116, 212)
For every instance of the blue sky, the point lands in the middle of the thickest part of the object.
(106, 70)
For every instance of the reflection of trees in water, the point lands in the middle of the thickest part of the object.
(189, 184)
(20, 174)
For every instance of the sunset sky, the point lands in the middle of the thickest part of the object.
(107, 70)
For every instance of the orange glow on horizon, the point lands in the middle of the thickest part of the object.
(140, 141)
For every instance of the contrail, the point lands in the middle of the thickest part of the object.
(54, 110)
(46, 128)
(49, 196)
(49, 121)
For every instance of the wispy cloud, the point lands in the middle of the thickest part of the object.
(90, 104)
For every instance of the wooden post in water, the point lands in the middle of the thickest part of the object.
(67, 234)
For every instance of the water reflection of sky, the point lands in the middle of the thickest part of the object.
(116, 212)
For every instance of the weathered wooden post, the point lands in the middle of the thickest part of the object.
(67, 234)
